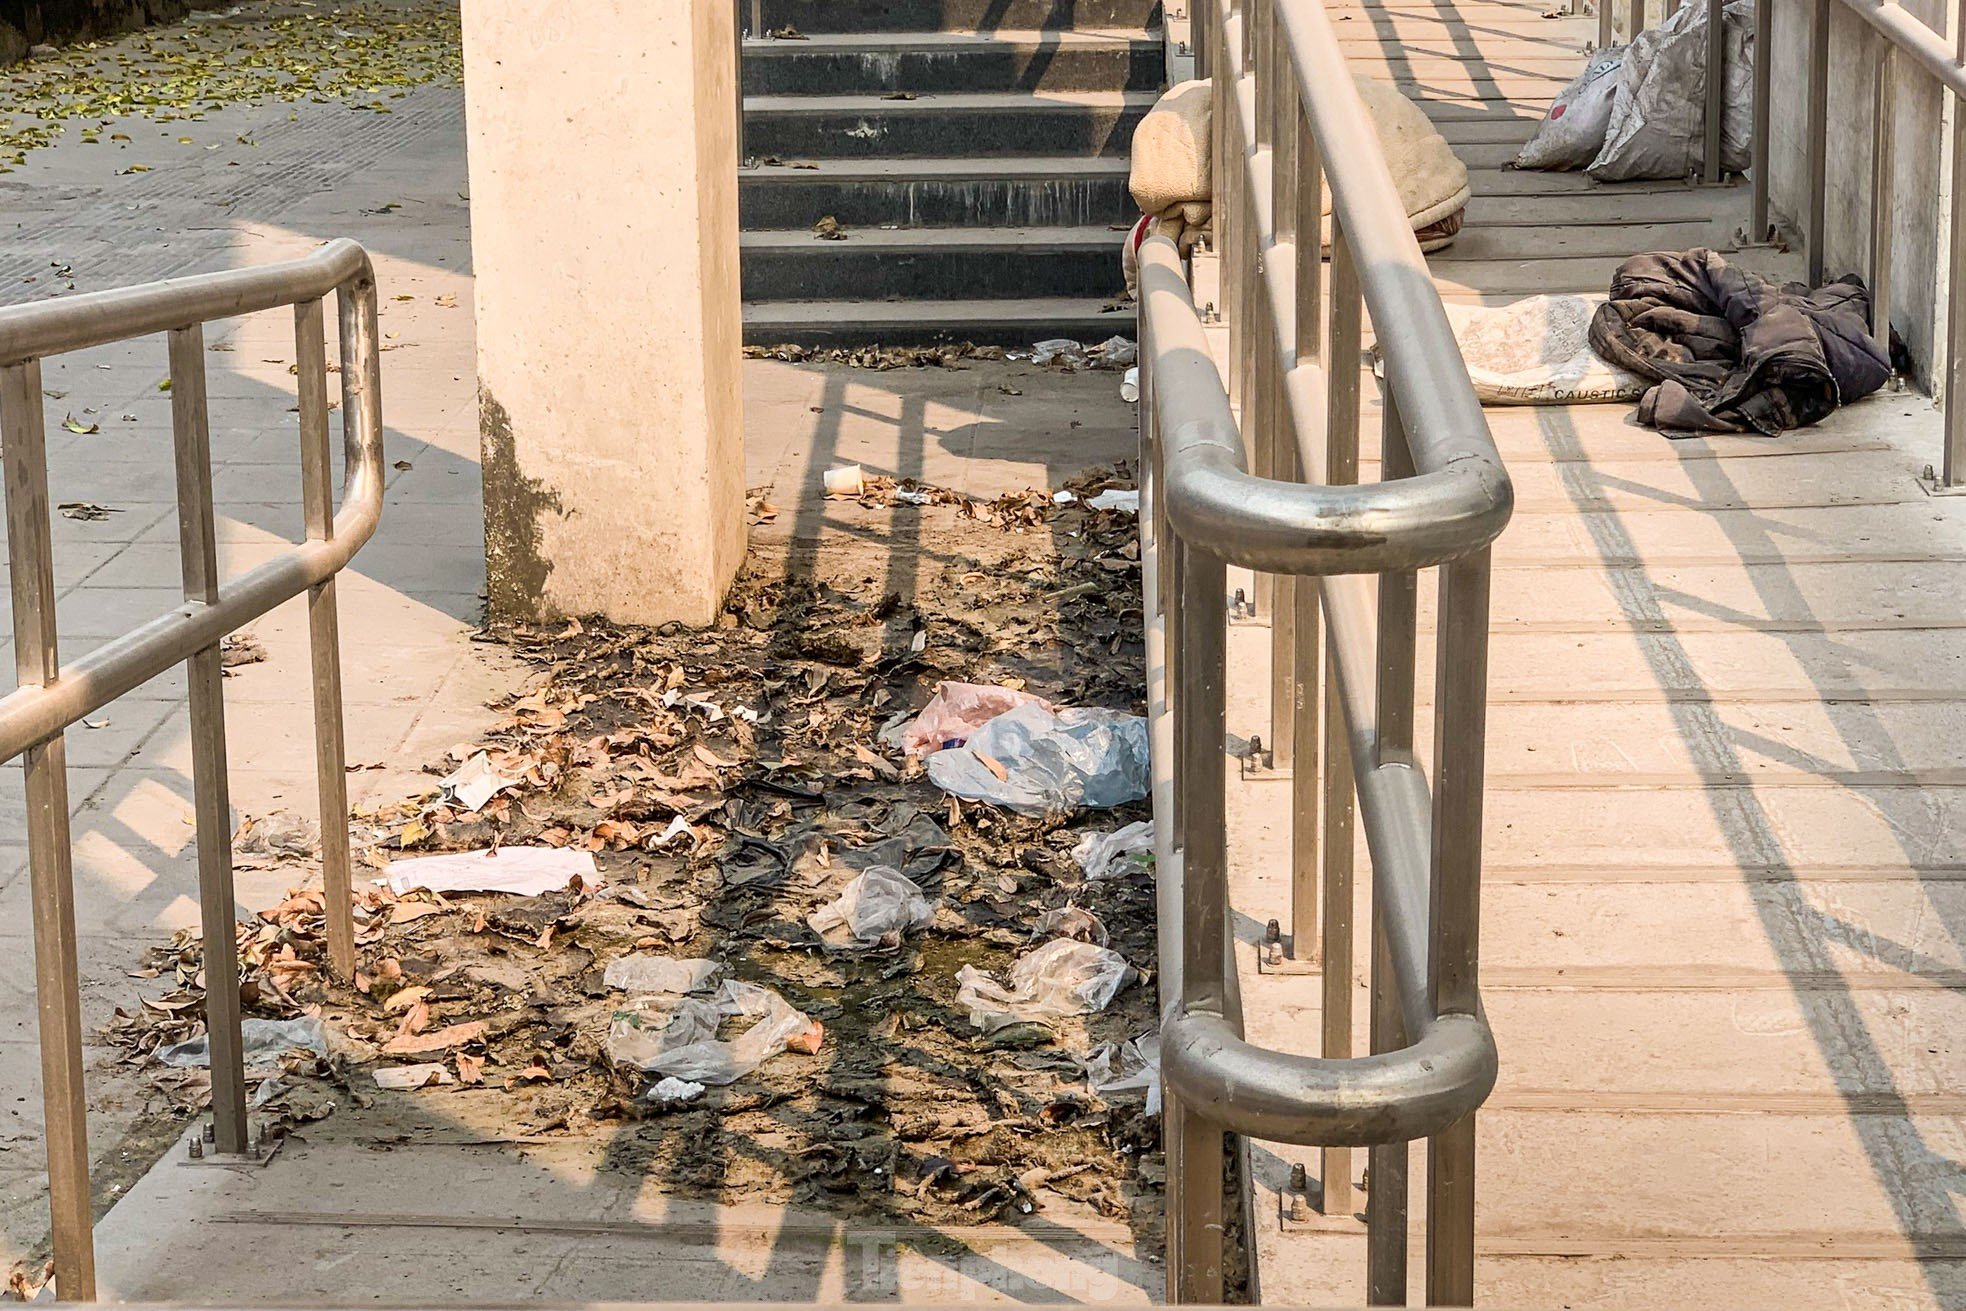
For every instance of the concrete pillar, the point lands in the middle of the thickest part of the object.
(603, 158)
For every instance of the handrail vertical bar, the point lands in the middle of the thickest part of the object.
(217, 904)
(1816, 139)
(1636, 19)
(57, 970)
(1764, 37)
(1398, 604)
(1460, 745)
(1952, 466)
(1883, 173)
(1306, 785)
(324, 639)
(1201, 710)
(1386, 1193)
(1284, 692)
(1716, 91)
(1341, 466)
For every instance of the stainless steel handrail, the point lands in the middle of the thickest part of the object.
(53, 695)
(1287, 116)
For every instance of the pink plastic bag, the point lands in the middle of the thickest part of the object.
(952, 714)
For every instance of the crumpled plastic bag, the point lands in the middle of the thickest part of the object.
(951, 714)
(676, 1035)
(263, 1041)
(1116, 854)
(282, 835)
(1037, 762)
(1059, 979)
(1572, 131)
(1130, 1066)
(646, 973)
(875, 910)
(1059, 350)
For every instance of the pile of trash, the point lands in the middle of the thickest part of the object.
(948, 355)
(722, 901)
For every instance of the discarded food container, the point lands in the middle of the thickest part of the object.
(848, 480)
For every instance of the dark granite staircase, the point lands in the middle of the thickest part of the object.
(972, 152)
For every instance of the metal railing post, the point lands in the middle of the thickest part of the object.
(1386, 1188)
(1197, 1277)
(1341, 467)
(1306, 783)
(1460, 746)
(1816, 139)
(1716, 90)
(1883, 174)
(1759, 228)
(57, 969)
(1607, 35)
(218, 909)
(1952, 461)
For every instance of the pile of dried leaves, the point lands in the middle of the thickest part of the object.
(949, 355)
(727, 782)
(364, 53)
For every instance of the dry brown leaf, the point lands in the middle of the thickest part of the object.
(405, 998)
(470, 1069)
(455, 1035)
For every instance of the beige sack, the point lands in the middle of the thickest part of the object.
(1170, 150)
(1432, 180)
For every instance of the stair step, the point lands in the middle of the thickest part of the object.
(1033, 191)
(932, 264)
(941, 62)
(815, 16)
(1011, 323)
(997, 124)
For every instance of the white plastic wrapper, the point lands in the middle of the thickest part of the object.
(875, 910)
(1117, 498)
(1112, 855)
(670, 1034)
(952, 713)
(264, 1041)
(645, 973)
(1037, 762)
(1059, 979)
(674, 1092)
(522, 871)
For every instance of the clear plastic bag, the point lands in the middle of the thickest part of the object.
(1113, 855)
(1037, 762)
(646, 973)
(1059, 979)
(264, 1040)
(876, 909)
(675, 1035)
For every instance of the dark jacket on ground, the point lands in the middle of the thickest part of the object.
(1731, 351)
